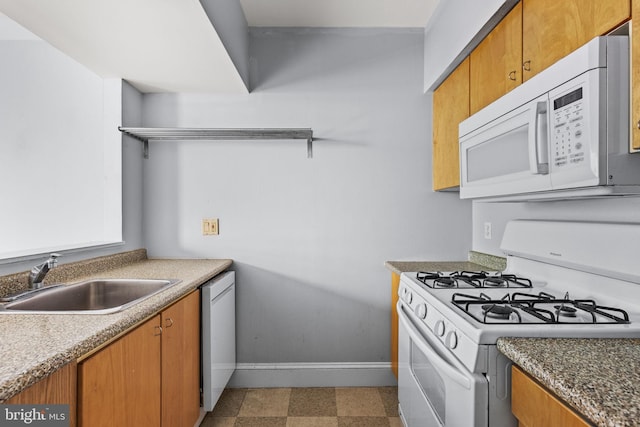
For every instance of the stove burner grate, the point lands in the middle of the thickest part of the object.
(472, 279)
(508, 309)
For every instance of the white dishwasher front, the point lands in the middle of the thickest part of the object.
(218, 336)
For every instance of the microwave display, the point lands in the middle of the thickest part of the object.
(567, 99)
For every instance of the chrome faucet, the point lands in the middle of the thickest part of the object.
(37, 274)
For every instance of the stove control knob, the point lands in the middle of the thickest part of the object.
(421, 311)
(408, 297)
(452, 340)
(440, 328)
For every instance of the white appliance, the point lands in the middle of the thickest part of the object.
(562, 134)
(563, 279)
(218, 336)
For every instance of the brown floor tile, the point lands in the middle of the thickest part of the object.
(265, 402)
(229, 403)
(389, 396)
(395, 422)
(261, 422)
(312, 422)
(363, 422)
(218, 422)
(359, 401)
(313, 402)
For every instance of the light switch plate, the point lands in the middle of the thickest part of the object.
(210, 227)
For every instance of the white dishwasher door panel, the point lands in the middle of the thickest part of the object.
(218, 336)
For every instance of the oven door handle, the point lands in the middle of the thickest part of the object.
(434, 357)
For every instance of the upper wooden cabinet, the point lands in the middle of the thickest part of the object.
(450, 107)
(496, 64)
(554, 28)
(635, 75)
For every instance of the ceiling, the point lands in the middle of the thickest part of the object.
(172, 46)
(338, 13)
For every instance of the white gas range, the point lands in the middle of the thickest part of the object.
(563, 279)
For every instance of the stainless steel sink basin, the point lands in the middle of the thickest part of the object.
(99, 296)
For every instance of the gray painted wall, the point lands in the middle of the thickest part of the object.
(613, 209)
(309, 237)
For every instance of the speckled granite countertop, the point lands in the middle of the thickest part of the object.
(600, 378)
(34, 346)
(477, 261)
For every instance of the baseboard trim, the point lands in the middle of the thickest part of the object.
(263, 375)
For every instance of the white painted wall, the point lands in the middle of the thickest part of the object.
(613, 209)
(309, 237)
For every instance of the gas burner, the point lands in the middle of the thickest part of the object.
(497, 311)
(494, 282)
(564, 310)
(427, 275)
(445, 282)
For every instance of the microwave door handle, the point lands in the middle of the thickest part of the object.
(538, 146)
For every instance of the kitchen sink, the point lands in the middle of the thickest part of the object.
(97, 296)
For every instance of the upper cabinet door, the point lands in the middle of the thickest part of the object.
(635, 76)
(450, 107)
(554, 28)
(496, 64)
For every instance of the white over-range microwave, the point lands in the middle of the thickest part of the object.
(562, 134)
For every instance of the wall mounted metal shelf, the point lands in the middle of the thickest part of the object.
(163, 134)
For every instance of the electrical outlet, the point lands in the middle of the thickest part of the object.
(210, 227)
(487, 230)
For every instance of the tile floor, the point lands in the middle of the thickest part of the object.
(306, 407)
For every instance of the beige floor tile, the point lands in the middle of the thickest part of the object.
(229, 403)
(363, 422)
(312, 422)
(389, 396)
(313, 402)
(261, 422)
(218, 422)
(395, 422)
(265, 402)
(359, 401)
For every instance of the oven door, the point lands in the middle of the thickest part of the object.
(434, 388)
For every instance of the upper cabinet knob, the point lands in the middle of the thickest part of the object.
(526, 65)
(512, 75)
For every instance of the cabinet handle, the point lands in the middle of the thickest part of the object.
(169, 322)
(638, 124)
(526, 65)
(158, 331)
(512, 75)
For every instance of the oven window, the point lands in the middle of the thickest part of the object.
(429, 381)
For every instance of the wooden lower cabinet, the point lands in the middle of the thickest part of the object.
(120, 384)
(57, 388)
(395, 285)
(181, 362)
(534, 406)
(148, 377)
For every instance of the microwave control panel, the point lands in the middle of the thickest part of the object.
(569, 126)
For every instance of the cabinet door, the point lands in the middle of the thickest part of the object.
(181, 362)
(534, 406)
(450, 107)
(120, 384)
(496, 64)
(57, 388)
(554, 28)
(635, 75)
